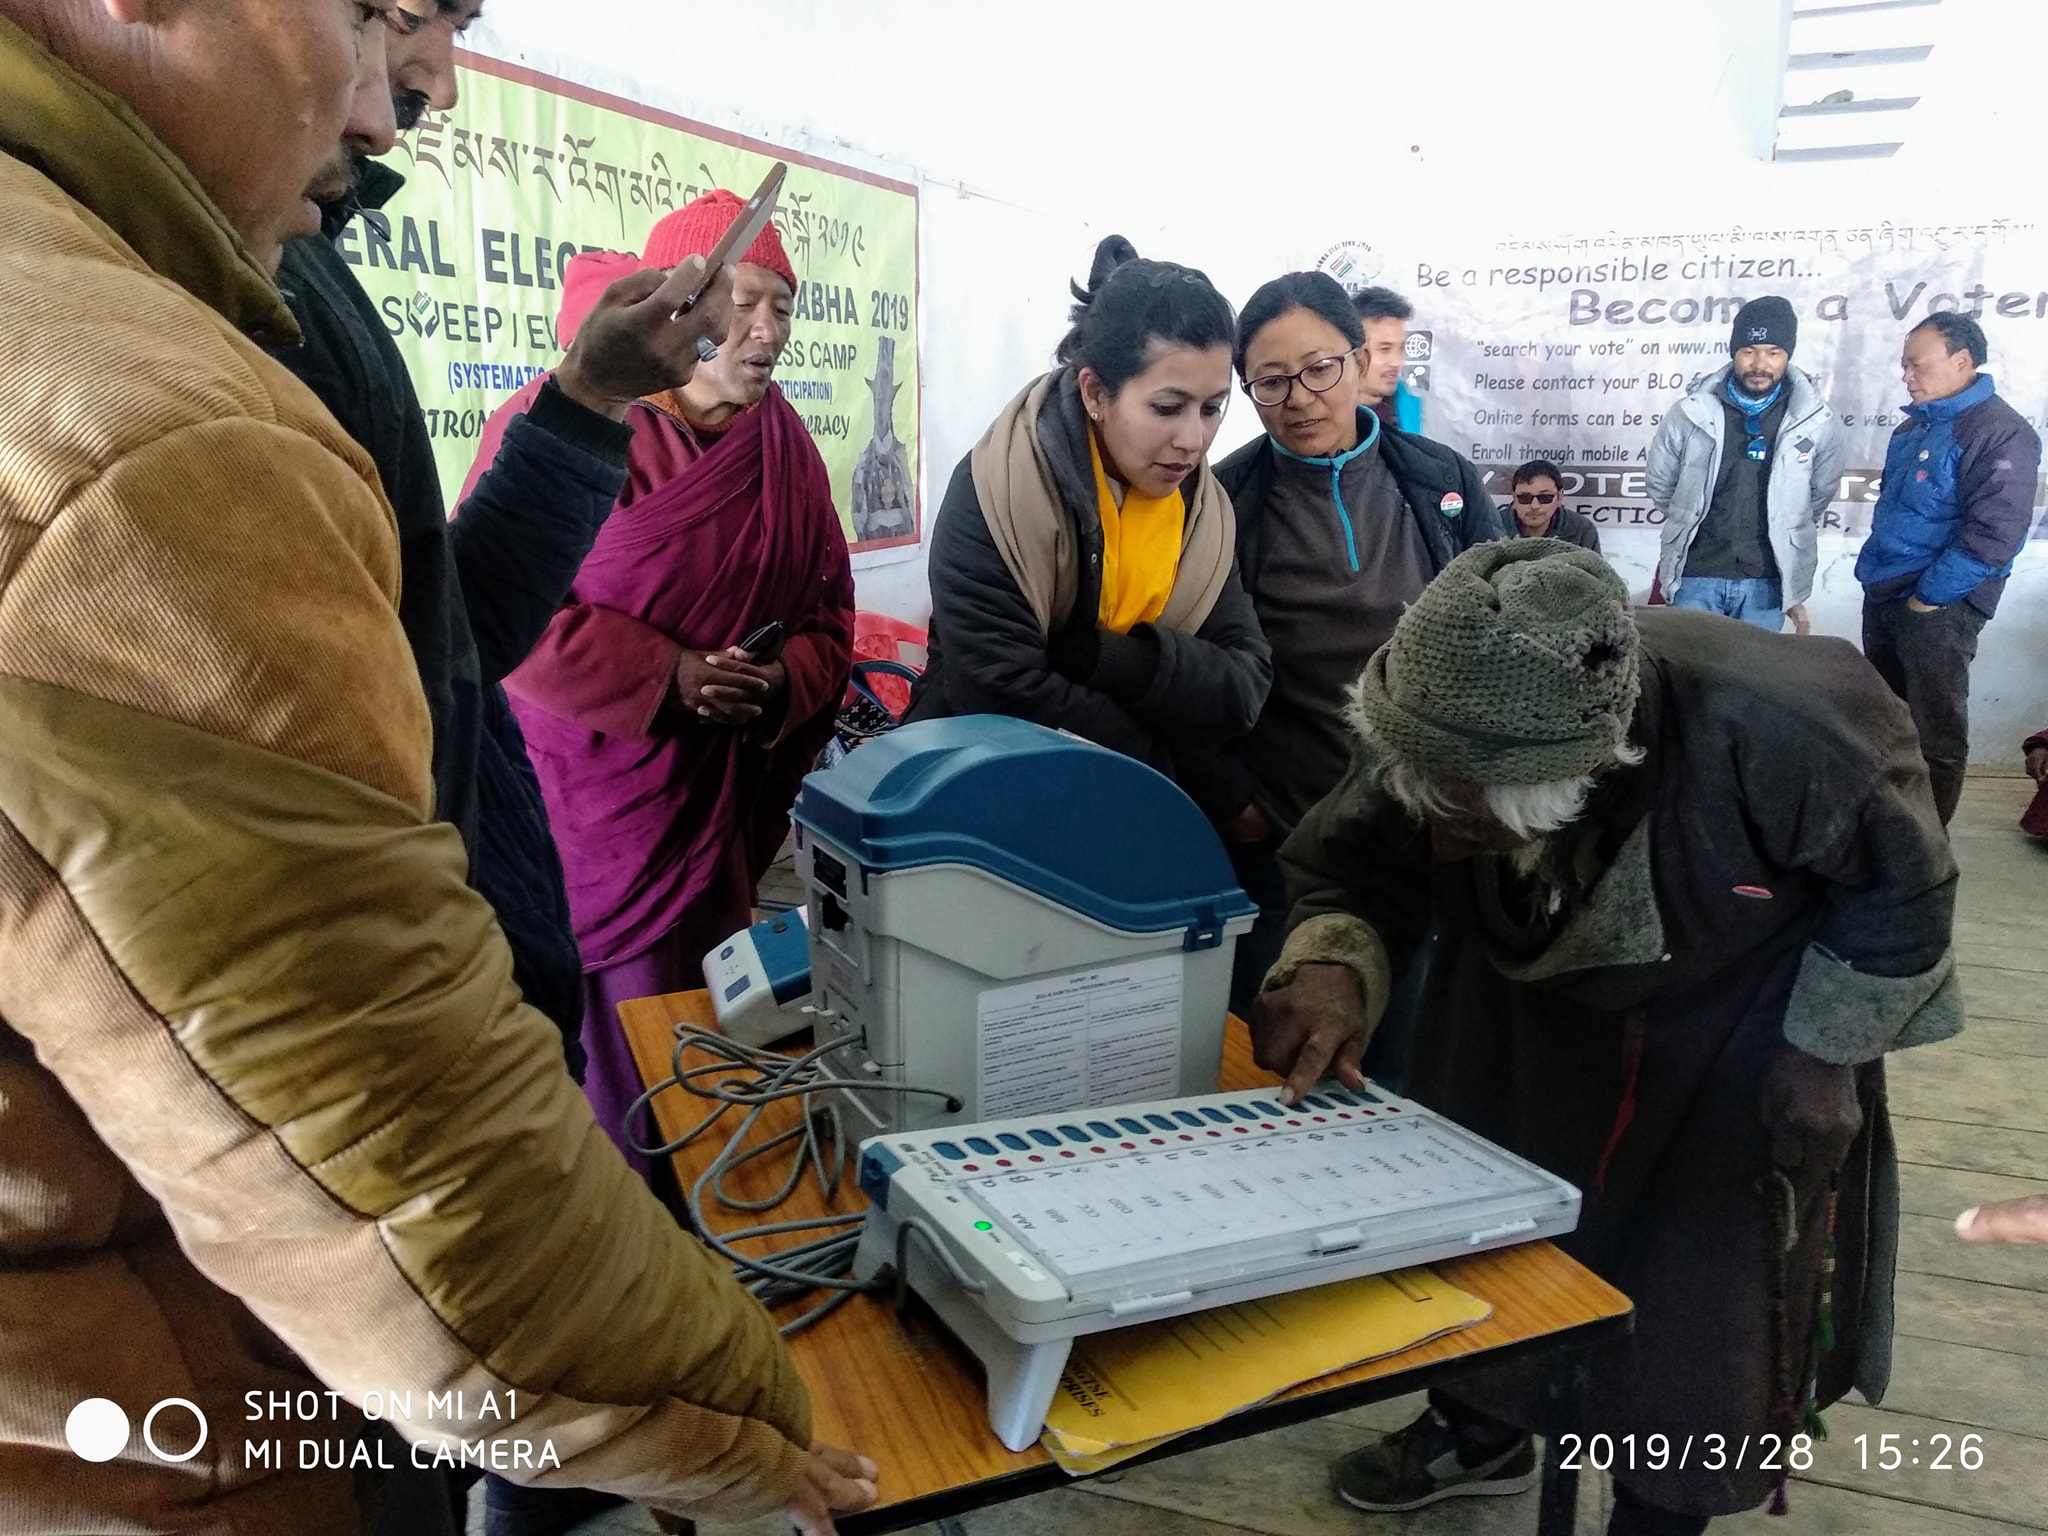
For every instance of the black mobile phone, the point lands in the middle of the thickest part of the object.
(765, 644)
(740, 234)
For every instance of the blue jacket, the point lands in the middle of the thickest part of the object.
(1957, 501)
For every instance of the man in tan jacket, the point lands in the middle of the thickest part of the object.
(278, 1139)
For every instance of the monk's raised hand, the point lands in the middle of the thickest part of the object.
(639, 342)
(1314, 1027)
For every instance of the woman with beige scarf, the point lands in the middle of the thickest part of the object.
(1083, 563)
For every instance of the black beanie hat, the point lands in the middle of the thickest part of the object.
(1765, 322)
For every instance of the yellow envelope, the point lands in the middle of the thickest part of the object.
(1126, 1391)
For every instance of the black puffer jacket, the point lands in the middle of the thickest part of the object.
(476, 595)
(1155, 694)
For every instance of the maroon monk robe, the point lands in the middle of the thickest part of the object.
(667, 822)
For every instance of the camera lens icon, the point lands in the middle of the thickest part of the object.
(97, 1430)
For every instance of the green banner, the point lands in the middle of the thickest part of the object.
(465, 266)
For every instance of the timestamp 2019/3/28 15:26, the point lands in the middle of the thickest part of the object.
(1765, 1453)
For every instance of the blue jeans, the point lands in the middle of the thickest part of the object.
(1757, 602)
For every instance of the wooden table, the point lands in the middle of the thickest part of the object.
(897, 1387)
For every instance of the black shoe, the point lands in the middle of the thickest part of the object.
(1428, 1461)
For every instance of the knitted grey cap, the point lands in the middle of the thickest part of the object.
(1517, 665)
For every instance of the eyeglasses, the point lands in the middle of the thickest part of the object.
(1534, 498)
(1317, 378)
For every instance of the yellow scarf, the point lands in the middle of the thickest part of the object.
(1140, 550)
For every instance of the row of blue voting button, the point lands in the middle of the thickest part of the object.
(1103, 1130)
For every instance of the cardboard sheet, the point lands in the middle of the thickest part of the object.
(1126, 1391)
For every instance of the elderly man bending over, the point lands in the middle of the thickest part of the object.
(273, 1116)
(1690, 887)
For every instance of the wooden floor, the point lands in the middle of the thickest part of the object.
(1972, 1352)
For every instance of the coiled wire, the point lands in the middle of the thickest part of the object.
(749, 1079)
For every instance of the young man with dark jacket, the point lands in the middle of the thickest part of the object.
(1539, 510)
(1957, 502)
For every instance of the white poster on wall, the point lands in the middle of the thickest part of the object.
(1573, 349)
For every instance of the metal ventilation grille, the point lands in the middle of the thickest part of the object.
(1853, 73)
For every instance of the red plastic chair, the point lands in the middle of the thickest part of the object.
(888, 657)
(878, 637)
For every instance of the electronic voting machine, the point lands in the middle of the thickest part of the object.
(1023, 1234)
(1013, 919)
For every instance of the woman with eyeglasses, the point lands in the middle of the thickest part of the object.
(1341, 522)
(1540, 512)
(1083, 562)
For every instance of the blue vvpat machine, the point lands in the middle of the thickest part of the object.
(1014, 919)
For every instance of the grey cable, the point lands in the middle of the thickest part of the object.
(961, 1278)
(752, 1078)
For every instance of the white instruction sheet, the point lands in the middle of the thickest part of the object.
(1095, 1037)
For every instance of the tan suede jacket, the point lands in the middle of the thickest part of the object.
(272, 1114)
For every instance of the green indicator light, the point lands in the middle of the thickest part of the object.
(984, 1226)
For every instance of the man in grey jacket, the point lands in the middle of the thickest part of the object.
(1742, 469)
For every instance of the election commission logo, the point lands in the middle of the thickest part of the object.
(1354, 263)
(98, 1430)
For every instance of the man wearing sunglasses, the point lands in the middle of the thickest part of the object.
(1540, 512)
(1742, 469)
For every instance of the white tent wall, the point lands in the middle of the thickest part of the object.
(1247, 142)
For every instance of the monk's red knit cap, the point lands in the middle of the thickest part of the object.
(694, 228)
